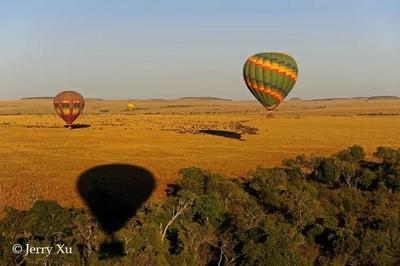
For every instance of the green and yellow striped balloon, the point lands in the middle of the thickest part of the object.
(270, 77)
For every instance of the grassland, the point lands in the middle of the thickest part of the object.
(41, 159)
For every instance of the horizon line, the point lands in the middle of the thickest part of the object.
(211, 98)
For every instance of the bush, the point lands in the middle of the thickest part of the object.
(353, 154)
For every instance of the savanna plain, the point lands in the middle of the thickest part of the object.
(41, 159)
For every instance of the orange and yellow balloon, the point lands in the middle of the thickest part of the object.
(69, 105)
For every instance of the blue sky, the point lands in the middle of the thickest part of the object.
(169, 49)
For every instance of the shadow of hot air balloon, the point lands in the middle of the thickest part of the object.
(75, 126)
(114, 193)
(222, 133)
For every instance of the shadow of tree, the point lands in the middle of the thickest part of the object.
(114, 193)
(222, 133)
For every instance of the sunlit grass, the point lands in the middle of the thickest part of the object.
(41, 159)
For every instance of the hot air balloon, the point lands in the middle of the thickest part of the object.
(270, 77)
(69, 105)
(131, 107)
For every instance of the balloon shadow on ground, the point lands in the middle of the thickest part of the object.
(222, 133)
(114, 193)
(75, 126)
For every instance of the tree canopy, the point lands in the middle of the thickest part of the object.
(336, 210)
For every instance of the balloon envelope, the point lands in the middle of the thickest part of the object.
(270, 77)
(69, 105)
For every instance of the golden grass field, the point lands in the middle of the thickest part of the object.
(41, 159)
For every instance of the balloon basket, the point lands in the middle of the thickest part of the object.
(270, 114)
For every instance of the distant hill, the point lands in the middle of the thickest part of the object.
(372, 98)
(51, 98)
(94, 99)
(328, 99)
(383, 98)
(295, 99)
(37, 98)
(204, 98)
